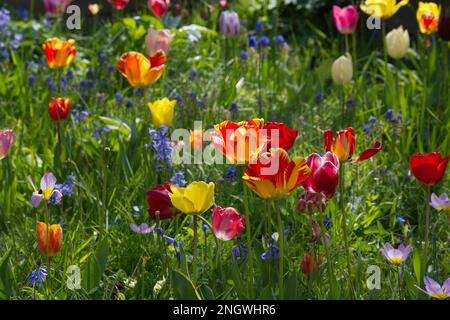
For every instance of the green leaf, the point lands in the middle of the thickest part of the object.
(102, 255)
(90, 278)
(130, 23)
(417, 265)
(183, 288)
(5, 281)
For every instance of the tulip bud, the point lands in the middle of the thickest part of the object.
(345, 19)
(229, 23)
(310, 264)
(342, 70)
(7, 139)
(49, 238)
(397, 43)
(94, 8)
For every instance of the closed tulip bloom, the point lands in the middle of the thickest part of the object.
(397, 43)
(59, 53)
(140, 71)
(49, 238)
(7, 139)
(227, 223)
(324, 175)
(59, 109)
(196, 198)
(429, 168)
(396, 256)
(343, 145)
(162, 112)
(345, 19)
(342, 70)
(279, 135)
(382, 8)
(159, 204)
(444, 28)
(158, 40)
(240, 142)
(310, 264)
(427, 15)
(159, 7)
(94, 8)
(274, 175)
(119, 4)
(196, 138)
(229, 23)
(54, 8)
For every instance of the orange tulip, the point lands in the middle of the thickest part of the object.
(140, 71)
(49, 239)
(275, 175)
(59, 53)
(343, 145)
(240, 142)
(196, 138)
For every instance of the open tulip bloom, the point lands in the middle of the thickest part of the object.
(160, 206)
(382, 8)
(59, 53)
(324, 177)
(435, 290)
(47, 190)
(396, 256)
(427, 16)
(196, 198)
(140, 71)
(159, 7)
(227, 223)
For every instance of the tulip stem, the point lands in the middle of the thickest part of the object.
(327, 254)
(427, 231)
(344, 225)
(194, 250)
(248, 235)
(281, 255)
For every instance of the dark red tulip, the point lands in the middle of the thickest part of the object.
(279, 135)
(227, 223)
(59, 109)
(324, 176)
(429, 168)
(309, 264)
(158, 200)
(444, 28)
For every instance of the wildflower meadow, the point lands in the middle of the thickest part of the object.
(224, 150)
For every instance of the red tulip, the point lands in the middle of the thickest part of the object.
(160, 7)
(309, 265)
(324, 175)
(429, 168)
(279, 136)
(158, 200)
(227, 223)
(119, 4)
(59, 109)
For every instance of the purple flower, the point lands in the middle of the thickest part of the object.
(229, 23)
(46, 191)
(396, 256)
(161, 145)
(440, 203)
(252, 41)
(38, 275)
(435, 290)
(143, 228)
(178, 179)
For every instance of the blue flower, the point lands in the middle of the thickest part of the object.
(119, 97)
(231, 173)
(252, 41)
(22, 13)
(280, 41)
(243, 55)
(328, 223)
(264, 42)
(240, 251)
(273, 252)
(67, 187)
(350, 102)
(259, 27)
(205, 227)
(367, 129)
(319, 97)
(194, 73)
(5, 18)
(372, 120)
(234, 107)
(38, 275)
(389, 114)
(161, 145)
(31, 80)
(400, 220)
(178, 179)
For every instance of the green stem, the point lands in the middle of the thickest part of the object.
(427, 231)
(194, 249)
(328, 256)
(281, 255)
(248, 235)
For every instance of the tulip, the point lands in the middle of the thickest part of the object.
(196, 138)
(342, 70)
(311, 202)
(94, 8)
(119, 4)
(227, 223)
(435, 290)
(444, 28)
(49, 238)
(275, 175)
(396, 256)
(54, 8)
(194, 199)
(382, 8)
(397, 43)
(430, 168)
(428, 17)
(46, 191)
(59, 53)
(59, 109)
(158, 40)
(159, 204)
(324, 175)
(345, 19)
(140, 71)
(162, 112)
(310, 265)
(240, 142)
(316, 232)
(440, 203)
(160, 7)
(7, 139)
(229, 23)
(279, 136)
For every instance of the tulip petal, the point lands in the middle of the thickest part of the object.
(369, 153)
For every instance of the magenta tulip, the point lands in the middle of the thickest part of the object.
(227, 223)
(345, 19)
(324, 175)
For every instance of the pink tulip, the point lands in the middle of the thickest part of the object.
(324, 175)
(227, 223)
(7, 139)
(345, 19)
(158, 40)
(160, 7)
(54, 8)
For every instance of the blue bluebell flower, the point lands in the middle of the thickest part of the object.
(234, 107)
(66, 188)
(5, 18)
(178, 179)
(89, 74)
(264, 42)
(243, 55)
(194, 73)
(31, 80)
(281, 42)
(328, 223)
(231, 173)
(252, 42)
(22, 13)
(273, 252)
(366, 129)
(319, 97)
(119, 97)
(129, 103)
(372, 120)
(389, 115)
(161, 145)
(350, 102)
(205, 227)
(400, 220)
(259, 27)
(37, 276)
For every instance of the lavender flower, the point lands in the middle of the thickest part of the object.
(396, 256)
(142, 229)
(435, 290)
(440, 203)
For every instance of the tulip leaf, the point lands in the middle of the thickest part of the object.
(5, 281)
(90, 278)
(102, 255)
(183, 288)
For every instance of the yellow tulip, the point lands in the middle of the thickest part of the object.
(162, 112)
(427, 16)
(196, 198)
(342, 70)
(397, 43)
(382, 8)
